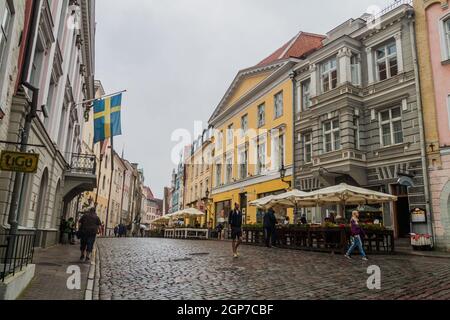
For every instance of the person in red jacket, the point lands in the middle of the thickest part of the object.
(357, 236)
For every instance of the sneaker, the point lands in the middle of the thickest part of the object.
(365, 259)
(348, 257)
(82, 257)
(235, 255)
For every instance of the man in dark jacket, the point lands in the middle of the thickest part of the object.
(270, 222)
(89, 224)
(235, 222)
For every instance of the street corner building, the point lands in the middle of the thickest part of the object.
(47, 71)
(358, 115)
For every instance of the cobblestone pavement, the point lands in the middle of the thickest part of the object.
(50, 279)
(177, 269)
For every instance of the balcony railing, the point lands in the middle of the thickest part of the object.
(16, 252)
(83, 164)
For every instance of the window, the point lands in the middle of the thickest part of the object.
(278, 105)
(305, 94)
(387, 65)
(391, 127)
(244, 124)
(447, 36)
(230, 134)
(261, 163)
(219, 140)
(281, 151)
(307, 148)
(218, 174)
(229, 170)
(243, 160)
(331, 136)
(354, 67)
(261, 115)
(277, 150)
(5, 15)
(356, 133)
(329, 75)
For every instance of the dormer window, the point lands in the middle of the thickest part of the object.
(329, 75)
(387, 63)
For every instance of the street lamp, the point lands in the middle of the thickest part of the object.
(207, 201)
(283, 176)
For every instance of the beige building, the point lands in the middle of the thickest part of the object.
(198, 175)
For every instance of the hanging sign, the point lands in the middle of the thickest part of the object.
(19, 162)
(418, 216)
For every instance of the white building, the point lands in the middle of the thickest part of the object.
(57, 57)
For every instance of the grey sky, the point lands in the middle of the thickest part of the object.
(177, 58)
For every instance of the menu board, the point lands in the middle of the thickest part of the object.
(418, 215)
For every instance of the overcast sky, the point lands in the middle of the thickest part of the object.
(177, 58)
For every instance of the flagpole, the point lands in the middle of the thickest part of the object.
(100, 98)
(110, 184)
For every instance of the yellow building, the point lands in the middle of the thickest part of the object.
(198, 176)
(253, 132)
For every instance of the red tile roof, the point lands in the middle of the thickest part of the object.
(302, 44)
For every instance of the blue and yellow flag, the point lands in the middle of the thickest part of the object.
(107, 121)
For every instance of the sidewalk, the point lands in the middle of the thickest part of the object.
(428, 254)
(50, 279)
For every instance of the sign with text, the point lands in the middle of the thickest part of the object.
(418, 215)
(19, 162)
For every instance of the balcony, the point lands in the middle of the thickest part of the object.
(80, 176)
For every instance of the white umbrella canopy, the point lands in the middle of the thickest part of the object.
(189, 212)
(262, 203)
(346, 194)
(292, 199)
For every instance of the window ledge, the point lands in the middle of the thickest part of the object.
(393, 146)
(445, 62)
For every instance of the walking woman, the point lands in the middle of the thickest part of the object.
(89, 225)
(357, 237)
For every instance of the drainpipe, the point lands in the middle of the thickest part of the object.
(421, 126)
(294, 120)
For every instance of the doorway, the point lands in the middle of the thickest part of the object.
(402, 211)
(243, 204)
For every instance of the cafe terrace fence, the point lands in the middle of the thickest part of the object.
(322, 239)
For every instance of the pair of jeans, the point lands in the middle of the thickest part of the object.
(87, 242)
(269, 234)
(357, 242)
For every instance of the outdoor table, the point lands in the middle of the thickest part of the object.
(186, 233)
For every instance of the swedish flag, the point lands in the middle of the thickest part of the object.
(107, 122)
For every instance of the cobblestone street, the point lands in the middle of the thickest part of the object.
(177, 269)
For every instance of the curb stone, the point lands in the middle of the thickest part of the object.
(88, 295)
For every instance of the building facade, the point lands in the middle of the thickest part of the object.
(433, 47)
(198, 176)
(54, 69)
(253, 132)
(358, 117)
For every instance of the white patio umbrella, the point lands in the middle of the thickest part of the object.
(262, 203)
(293, 199)
(188, 212)
(346, 194)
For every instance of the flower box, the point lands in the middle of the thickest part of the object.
(421, 241)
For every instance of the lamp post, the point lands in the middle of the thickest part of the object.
(283, 176)
(207, 201)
